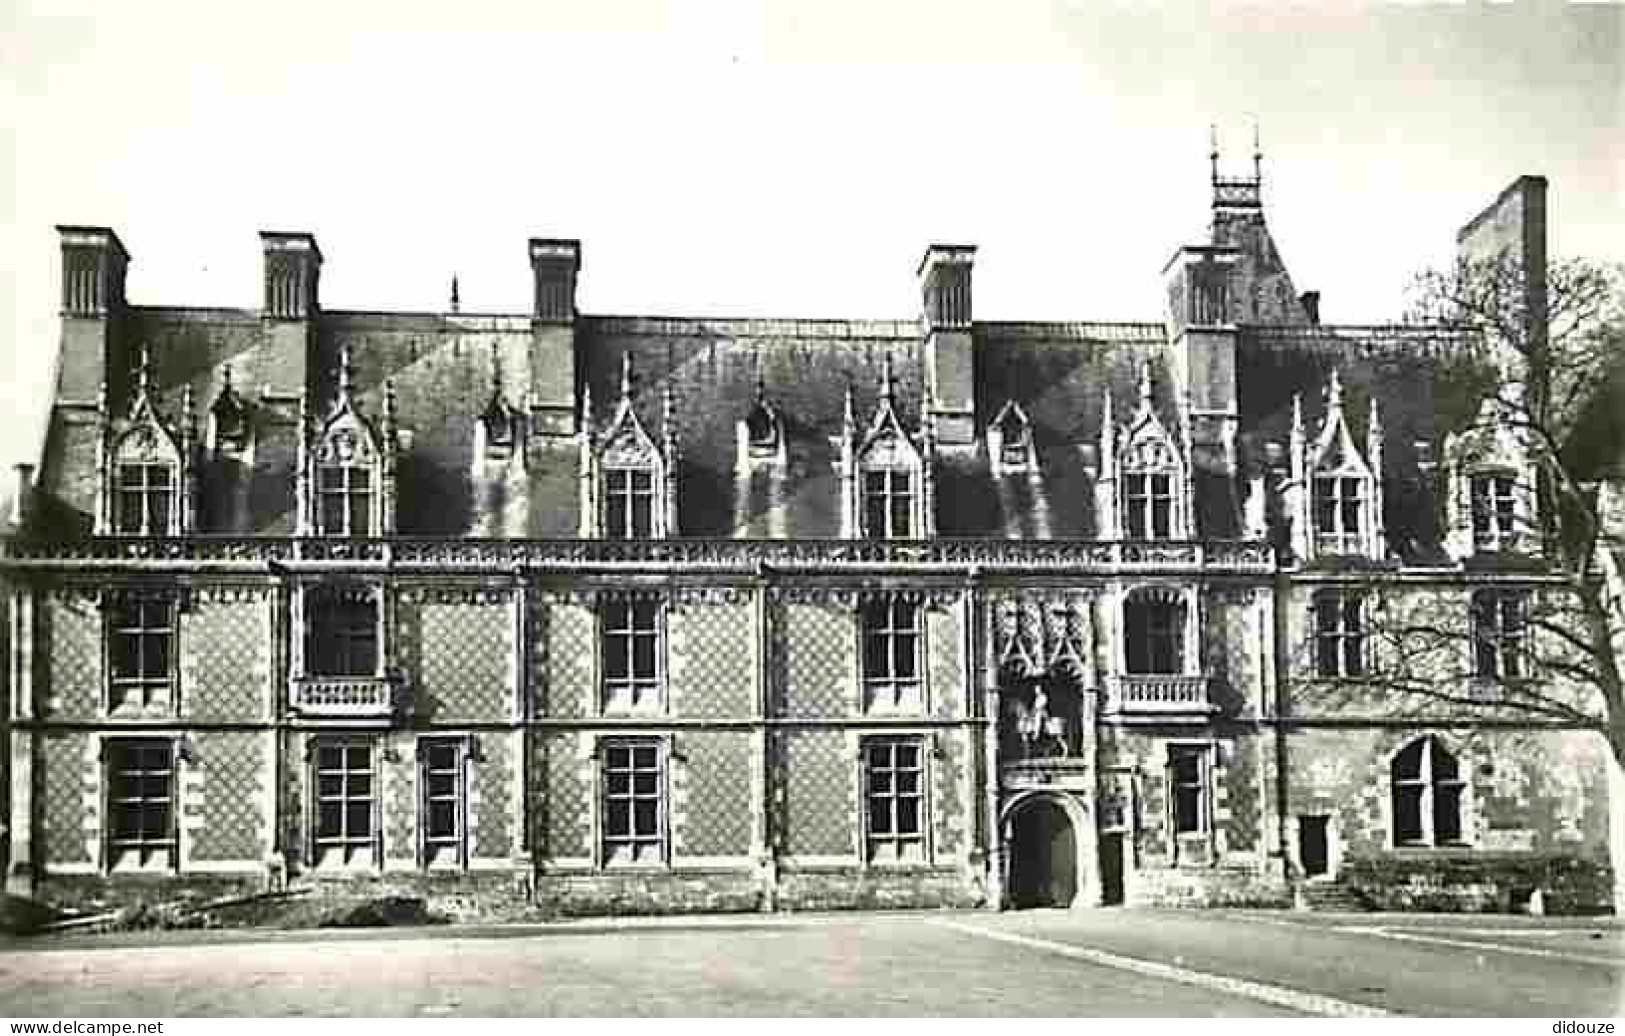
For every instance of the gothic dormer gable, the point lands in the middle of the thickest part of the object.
(230, 423)
(1338, 488)
(625, 443)
(1492, 503)
(628, 489)
(145, 467)
(348, 467)
(500, 426)
(1146, 491)
(886, 444)
(1010, 441)
(1334, 451)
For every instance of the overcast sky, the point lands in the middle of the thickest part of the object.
(777, 159)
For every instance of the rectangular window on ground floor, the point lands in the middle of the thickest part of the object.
(1188, 793)
(634, 802)
(443, 801)
(140, 802)
(344, 826)
(894, 800)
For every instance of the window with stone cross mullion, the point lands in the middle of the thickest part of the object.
(1149, 500)
(141, 645)
(343, 828)
(634, 802)
(1337, 500)
(146, 499)
(891, 652)
(444, 801)
(894, 789)
(888, 504)
(629, 500)
(1339, 633)
(344, 493)
(1494, 510)
(1426, 795)
(631, 654)
(1499, 634)
(140, 800)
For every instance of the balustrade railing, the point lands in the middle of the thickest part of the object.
(343, 697)
(1158, 694)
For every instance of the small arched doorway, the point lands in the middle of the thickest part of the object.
(1043, 855)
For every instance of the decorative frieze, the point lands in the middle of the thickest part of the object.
(480, 594)
(692, 555)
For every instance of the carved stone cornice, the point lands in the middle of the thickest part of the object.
(1074, 558)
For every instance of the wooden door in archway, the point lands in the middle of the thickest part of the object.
(1043, 856)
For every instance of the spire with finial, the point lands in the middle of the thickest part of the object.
(456, 302)
(1296, 431)
(1258, 154)
(668, 420)
(586, 411)
(849, 423)
(1373, 437)
(761, 381)
(1334, 396)
(886, 380)
(626, 376)
(1145, 383)
(345, 373)
(188, 412)
(1213, 149)
(496, 370)
(389, 411)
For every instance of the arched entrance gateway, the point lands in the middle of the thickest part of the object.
(1043, 856)
(1045, 835)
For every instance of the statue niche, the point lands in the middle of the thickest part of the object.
(1040, 718)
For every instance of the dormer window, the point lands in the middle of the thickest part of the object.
(888, 505)
(629, 503)
(1338, 507)
(499, 430)
(1010, 440)
(344, 505)
(228, 416)
(145, 499)
(1494, 506)
(886, 493)
(1144, 484)
(350, 468)
(627, 488)
(762, 431)
(1148, 506)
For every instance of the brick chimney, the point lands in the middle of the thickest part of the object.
(554, 263)
(293, 269)
(93, 267)
(950, 382)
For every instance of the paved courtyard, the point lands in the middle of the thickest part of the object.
(1115, 962)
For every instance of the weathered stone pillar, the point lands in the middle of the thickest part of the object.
(20, 868)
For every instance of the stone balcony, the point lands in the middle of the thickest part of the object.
(343, 697)
(1158, 697)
